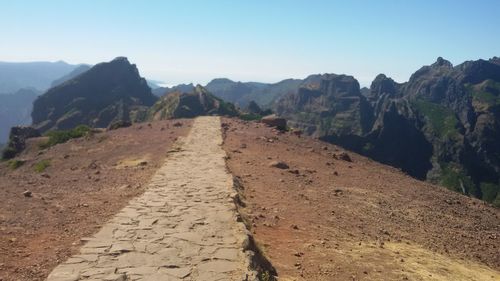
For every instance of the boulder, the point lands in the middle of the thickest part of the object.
(119, 124)
(279, 165)
(344, 156)
(17, 140)
(274, 121)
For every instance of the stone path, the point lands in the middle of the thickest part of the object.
(182, 228)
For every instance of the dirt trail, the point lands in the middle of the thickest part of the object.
(182, 228)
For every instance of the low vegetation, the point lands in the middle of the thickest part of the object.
(42, 166)
(489, 191)
(487, 92)
(456, 180)
(56, 137)
(14, 163)
(442, 120)
(250, 117)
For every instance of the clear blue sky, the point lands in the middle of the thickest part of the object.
(259, 40)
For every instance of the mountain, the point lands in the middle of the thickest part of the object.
(442, 125)
(187, 105)
(38, 75)
(77, 71)
(108, 92)
(264, 94)
(241, 93)
(15, 109)
(183, 88)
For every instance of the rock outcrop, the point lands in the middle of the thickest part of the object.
(106, 93)
(17, 140)
(274, 121)
(188, 105)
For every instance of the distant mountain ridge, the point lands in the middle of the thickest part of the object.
(183, 88)
(15, 109)
(38, 75)
(74, 73)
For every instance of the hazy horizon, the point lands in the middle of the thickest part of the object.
(196, 41)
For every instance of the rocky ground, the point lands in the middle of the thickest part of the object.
(319, 214)
(86, 182)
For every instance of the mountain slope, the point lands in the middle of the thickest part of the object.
(77, 71)
(106, 93)
(442, 125)
(324, 218)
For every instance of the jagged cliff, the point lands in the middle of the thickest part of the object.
(441, 125)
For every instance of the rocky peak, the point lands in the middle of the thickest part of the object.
(105, 93)
(477, 71)
(339, 85)
(120, 60)
(383, 85)
(440, 62)
(221, 80)
(495, 60)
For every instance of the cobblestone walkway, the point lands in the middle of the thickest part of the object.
(182, 228)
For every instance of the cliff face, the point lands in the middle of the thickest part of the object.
(441, 125)
(106, 93)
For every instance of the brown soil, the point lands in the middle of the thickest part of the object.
(330, 219)
(88, 180)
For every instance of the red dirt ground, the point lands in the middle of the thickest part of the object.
(330, 219)
(88, 181)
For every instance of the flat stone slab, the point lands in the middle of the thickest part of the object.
(182, 228)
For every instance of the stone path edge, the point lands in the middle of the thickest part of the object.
(258, 262)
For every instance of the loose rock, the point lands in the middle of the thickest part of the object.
(279, 165)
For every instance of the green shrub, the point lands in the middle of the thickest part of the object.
(42, 165)
(489, 191)
(56, 137)
(14, 164)
(266, 276)
(250, 117)
(454, 178)
(496, 202)
(442, 119)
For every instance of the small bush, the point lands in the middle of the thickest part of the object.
(266, 276)
(42, 165)
(14, 164)
(250, 117)
(489, 191)
(56, 137)
(8, 153)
